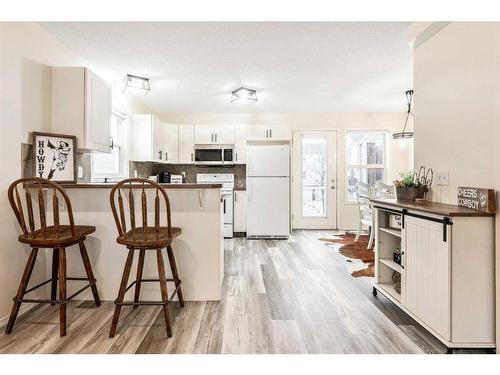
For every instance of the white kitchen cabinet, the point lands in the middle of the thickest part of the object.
(427, 271)
(186, 144)
(152, 139)
(224, 135)
(240, 211)
(240, 145)
(170, 143)
(268, 133)
(447, 269)
(81, 106)
(203, 134)
(207, 134)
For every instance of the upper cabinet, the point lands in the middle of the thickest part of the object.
(81, 106)
(240, 144)
(153, 140)
(186, 144)
(170, 145)
(268, 133)
(206, 134)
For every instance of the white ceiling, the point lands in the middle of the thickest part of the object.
(295, 67)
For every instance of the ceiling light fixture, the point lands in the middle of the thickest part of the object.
(244, 93)
(404, 134)
(136, 85)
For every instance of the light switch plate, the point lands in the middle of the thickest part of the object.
(442, 178)
(80, 172)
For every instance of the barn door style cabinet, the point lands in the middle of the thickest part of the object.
(445, 276)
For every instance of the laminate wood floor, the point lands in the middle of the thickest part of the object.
(294, 296)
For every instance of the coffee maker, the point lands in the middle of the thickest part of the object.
(164, 177)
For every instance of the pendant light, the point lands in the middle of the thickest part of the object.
(404, 134)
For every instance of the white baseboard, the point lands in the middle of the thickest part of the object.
(25, 307)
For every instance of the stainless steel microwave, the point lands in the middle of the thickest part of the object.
(213, 154)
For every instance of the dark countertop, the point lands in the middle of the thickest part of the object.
(433, 208)
(240, 188)
(109, 185)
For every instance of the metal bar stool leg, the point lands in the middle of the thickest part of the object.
(62, 291)
(55, 271)
(140, 267)
(121, 293)
(173, 267)
(90, 274)
(163, 289)
(22, 289)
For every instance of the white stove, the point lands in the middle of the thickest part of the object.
(227, 190)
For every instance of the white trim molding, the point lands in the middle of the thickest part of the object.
(420, 32)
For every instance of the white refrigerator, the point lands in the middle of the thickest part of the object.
(268, 190)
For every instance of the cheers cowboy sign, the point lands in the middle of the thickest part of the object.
(477, 198)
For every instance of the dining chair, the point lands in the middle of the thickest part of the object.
(364, 192)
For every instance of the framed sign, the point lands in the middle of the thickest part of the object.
(54, 157)
(477, 198)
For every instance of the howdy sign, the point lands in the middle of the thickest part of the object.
(477, 198)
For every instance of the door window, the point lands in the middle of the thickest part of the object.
(314, 175)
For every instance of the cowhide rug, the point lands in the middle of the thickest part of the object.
(354, 250)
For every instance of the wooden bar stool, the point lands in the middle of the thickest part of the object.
(144, 238)
(57, 237)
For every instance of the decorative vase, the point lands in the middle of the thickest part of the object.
(406, 193)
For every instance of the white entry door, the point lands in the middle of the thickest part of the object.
(314, 180)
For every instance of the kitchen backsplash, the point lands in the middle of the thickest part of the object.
(144, 169)
(149, 169)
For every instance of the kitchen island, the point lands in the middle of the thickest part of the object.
(199, 250)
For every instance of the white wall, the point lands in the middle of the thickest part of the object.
(455, 76)
(26, 53)
(401, 154)
(457, 112)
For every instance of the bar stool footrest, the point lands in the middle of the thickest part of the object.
(56, 301)
(148, 303)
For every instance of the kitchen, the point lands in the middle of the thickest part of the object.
(239, 165)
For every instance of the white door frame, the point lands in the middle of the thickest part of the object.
(297, 188)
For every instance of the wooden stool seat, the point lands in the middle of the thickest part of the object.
(142, 238)
(57, 237)
(148, 237)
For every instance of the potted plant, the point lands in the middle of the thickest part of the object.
(405, 187)
(413, 186)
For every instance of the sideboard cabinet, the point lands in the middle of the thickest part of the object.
(445, 275)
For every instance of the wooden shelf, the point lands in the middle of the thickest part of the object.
(394, 232)
(391, 264)
(389, 289)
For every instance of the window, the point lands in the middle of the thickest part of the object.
(314, 164)
(113, 165)
(366, 159)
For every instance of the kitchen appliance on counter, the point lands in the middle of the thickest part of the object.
(213, 154)
(268, 191)
(163, 177)
(227, 191)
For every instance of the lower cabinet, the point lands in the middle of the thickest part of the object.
(445, 278)
(240, 211)
(427, 274)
